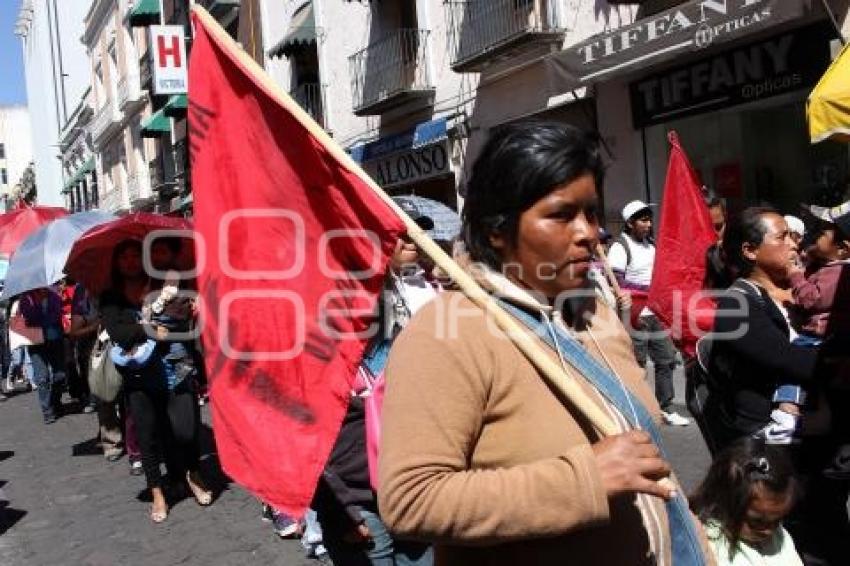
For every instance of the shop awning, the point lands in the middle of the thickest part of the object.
(828, 107)
(144, 12)
(301, 33)
(176, 106)
(156, 125)
(689, 27)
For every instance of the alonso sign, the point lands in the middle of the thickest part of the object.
(773, 66)
(691, 26)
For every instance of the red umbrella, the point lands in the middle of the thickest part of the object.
(16, 225)
(90, 260)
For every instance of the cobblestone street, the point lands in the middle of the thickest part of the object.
(62, 503)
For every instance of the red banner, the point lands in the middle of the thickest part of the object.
(684, 236)
(297, 245)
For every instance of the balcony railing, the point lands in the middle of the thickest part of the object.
(105, 118)
(311, 97)
(129, 89)
(481, 31)
(391, 72)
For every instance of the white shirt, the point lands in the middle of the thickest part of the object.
(639, 271)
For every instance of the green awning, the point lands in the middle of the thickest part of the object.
(86, 167)
(301, 33)
(157, 125)
(176, 106)
(144, 12)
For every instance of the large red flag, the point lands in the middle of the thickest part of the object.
(684, 236)
(290, 273)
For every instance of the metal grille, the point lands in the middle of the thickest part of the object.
(478, 26)
(397, 63)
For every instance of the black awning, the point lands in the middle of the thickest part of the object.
(687, 28)
(301, 32)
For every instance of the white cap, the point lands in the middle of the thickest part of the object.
(633, 208)
(795, 224)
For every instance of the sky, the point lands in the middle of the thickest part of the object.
(12, 86)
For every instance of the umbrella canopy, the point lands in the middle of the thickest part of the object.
(40, 259)
(828, 107)
(440, 222)
(90, 260)
(15, 226)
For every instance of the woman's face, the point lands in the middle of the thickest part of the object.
(764, 514)
(129, 263)
(556, 240)
(777, 253)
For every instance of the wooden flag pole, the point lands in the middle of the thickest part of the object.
(553, 372)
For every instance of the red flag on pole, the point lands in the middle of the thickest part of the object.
(684, 236)
(297, 244)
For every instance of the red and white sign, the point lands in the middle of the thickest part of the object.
(168, 59)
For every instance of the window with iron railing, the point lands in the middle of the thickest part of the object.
(478, 27)
(395, 64)
(310, 96)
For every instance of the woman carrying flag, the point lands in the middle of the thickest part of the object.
(479, 454)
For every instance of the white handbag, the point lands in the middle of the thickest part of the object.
(20, 334)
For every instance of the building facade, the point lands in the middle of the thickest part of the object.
(15, 151)
(413, 89)
(79, 164)
(56, 74)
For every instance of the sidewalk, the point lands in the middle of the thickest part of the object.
(62, 503)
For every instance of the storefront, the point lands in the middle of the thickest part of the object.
(735, 94)
(415, 162)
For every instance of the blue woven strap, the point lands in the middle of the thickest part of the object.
(687, 550)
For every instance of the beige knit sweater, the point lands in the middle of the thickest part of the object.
(482, 458)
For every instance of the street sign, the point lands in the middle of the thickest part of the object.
(168, 60)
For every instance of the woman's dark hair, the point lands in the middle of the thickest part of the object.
(520, 164)
(735, 474)
(748, 227)
(120, 248)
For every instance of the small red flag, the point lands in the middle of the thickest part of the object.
(684, 236)
(297, 245)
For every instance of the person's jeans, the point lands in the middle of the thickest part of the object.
(20, 362)
(380, 550)
(48, 374)
(654, 341)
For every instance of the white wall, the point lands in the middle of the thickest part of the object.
(44, 48)
(16, 139)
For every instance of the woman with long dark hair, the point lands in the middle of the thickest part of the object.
(161, 400)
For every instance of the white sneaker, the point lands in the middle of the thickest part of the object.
(674, 419)
(780, 430)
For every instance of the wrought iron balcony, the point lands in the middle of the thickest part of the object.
(391, 72)
(484, 31)
(129, 90)
(311, 97)
(106, 119)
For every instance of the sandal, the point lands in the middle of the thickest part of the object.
(158, 516)
(202, 495)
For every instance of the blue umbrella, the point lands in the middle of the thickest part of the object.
(438, 220)
(40, 259)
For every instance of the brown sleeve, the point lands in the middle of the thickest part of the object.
(435, 406)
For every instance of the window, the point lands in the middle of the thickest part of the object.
(2, 151)
(4, 178)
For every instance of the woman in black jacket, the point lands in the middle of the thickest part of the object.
(752, 353)
(163, 408)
